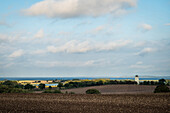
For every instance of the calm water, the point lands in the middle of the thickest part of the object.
(70, 78)
(47, 84)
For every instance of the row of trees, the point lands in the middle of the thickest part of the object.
(76, 84)
(93, 83)
(12, 87)
(15, 87)
(159, 82)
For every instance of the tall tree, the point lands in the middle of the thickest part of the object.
(41, 86)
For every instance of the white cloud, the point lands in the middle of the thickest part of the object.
(39, 34)
(59, 63)
(168, 24)
(96, 30)
(75, 46)
(141, 66)
(17, 53)
(38, 52)
(99, 28)
(3, 37)
(139, 63)
(77, 8)
(112, 45)
(145, 51)
(13, 37)
(52, 49)
(7, 38)
(146, 27)
(71, 63)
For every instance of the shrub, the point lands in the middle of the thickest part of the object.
(4, 89)
(10, 83)
(18, 90)
(92, 91)
(71, 92)
(7, 89)
(57, 91)
(161, 88)
(29, 86)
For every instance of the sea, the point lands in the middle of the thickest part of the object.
(82, 78)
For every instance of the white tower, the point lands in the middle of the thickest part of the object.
(137, 79)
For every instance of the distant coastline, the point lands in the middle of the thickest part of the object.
(71, 78)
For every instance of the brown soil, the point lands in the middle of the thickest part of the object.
(83, 103)
(116, 89)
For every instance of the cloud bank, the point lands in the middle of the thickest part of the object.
(75, 46)
(17, 53)
(78, 8)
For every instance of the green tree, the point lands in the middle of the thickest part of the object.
(10, 83)
(8, 89)
(161, 88)
(162, 81)
(19, 86)
(4, 89)
(66, 85)
(92, 91)
(99, 82)
(50, 87)
(41, 86)
(29, 86)
(60, 85)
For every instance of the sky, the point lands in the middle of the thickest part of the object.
(84, 38)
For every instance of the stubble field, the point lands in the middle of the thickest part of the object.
(83, 103)
(116, 89)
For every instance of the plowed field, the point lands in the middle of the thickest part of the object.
(83, 103)
(116, 89)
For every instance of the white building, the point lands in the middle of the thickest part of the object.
(137, 79)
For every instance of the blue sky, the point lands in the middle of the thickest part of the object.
(84, 38)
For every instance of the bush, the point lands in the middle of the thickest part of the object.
(57, 91)
(4, 89)
(92, 91)
(7, 89)
(29, 86)
(18, 90)
(161, 88)
(10, 83)
(71, 92)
